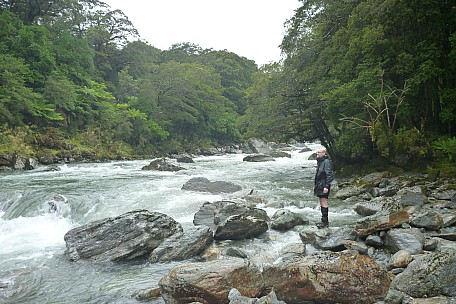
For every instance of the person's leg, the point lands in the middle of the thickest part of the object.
(324, 213)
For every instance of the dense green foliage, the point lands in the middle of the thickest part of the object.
(372, 78)
(76, 81)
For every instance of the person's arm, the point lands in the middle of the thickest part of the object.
(329, 174)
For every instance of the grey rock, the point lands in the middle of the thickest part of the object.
(429, 276)
(285, 219)
(181, 246)
(411, 240)
(125, 237)
(202, 184)
(238, 227)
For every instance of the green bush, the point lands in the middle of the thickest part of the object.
(447, 146)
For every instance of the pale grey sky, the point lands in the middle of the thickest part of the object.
(249, 28)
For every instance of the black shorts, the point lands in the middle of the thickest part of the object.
(325, 195)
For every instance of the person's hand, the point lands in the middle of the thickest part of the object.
(325, 190)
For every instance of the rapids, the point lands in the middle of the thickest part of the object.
(38, 207)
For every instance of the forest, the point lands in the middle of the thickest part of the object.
(369, 79)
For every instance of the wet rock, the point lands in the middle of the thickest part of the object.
(332, 238)
(236, 253)
(278, 154)
(238, 227)
(211, 282)
(328, 277)
(212, 214)
(202, 184)
(258, 146)
(31, 164)
(291, 251)
(258, 158)
(184, 159)
(125, 237)
(285, 219)
(181, 246)
(161, 164)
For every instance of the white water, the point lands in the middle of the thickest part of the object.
(31, 233)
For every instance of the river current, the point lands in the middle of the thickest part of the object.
(38, 207)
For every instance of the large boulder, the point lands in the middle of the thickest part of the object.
(285, 219)
(202, 184)
(238, 227)
(181, 246)
(258, 158)
(328, 277)
(411, 196)
(161, 164)
(213, 214)
(211, 282)
(391, 215)
(429, 275)
(125, 237)
(411, 240)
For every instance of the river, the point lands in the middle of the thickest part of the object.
(32, 248)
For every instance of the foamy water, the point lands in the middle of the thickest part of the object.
(43, 205)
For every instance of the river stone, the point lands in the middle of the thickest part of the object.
(368, 208)
(328, 277)
(400, 259)
(411, 240)
(433, 300)
(259, 146)
(211, 282)
(202, 184)
(161, 164)
(181, 246)
(125, 237)
(391, 215)
(285, 219)
(429, 276)
(411, 196)
(429, 220)
(211, 214)
(238, 227)
(332, 238)
(351, 191)
(258, 158)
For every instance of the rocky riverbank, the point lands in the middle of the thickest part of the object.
(402, 250)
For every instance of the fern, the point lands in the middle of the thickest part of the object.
(447, 146)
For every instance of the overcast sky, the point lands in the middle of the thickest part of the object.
(249, 28)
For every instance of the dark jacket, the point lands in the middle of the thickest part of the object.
(324, 175)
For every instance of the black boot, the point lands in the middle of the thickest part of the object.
(324, 218)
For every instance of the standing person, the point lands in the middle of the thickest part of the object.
(323, 178)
